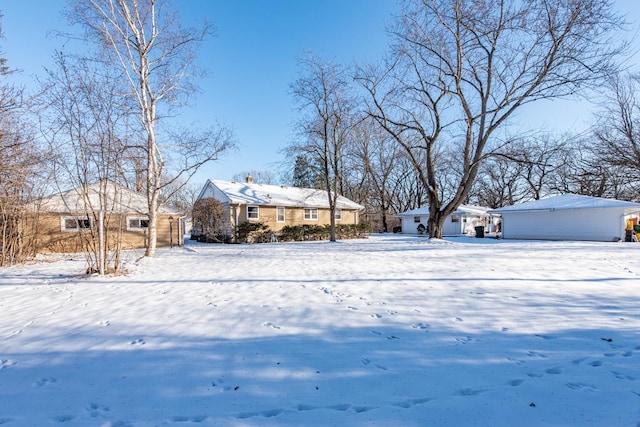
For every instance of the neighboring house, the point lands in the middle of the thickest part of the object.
(67, 221)
(568, 217)
(277, 206)
(461, 222)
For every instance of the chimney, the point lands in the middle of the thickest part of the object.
(249, 179)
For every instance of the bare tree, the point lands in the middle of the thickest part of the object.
(87, 124)
(323, 95)
(617, 130)
(258, 176)
(21, 169)
(460, 69)
(156, 55)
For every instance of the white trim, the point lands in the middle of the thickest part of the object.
(139, 227)
(76, 219)
(257, 208)
(311, 216)
(284, 214)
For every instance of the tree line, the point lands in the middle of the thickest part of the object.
(432, 122)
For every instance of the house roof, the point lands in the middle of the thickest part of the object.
(570, 201)
(117, 198)
(462, 210)
(245, 193)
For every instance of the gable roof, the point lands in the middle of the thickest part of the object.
(462, 210)
(118, 199)
(249, 193)
(570, 201)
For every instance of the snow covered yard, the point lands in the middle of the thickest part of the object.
(389, 331)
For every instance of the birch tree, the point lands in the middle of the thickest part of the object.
(156, 55)
(460, 69)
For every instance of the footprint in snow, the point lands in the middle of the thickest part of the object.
(515, 383)
(139, 341)
(553, 371)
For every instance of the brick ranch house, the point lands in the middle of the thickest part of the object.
(68, 221)
(276, 206)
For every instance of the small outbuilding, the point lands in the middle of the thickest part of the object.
(568, 217)
(463, 221)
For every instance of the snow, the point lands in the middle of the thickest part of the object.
(244, 193)
(571, 201)
(390, 331)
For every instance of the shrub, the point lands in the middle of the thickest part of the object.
(254, 232)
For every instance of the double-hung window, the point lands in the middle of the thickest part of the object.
(311, 214)
(253, 212)
(338, 214)
(280, 214)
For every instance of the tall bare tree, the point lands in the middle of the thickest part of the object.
(617, 130)
(459, 69)
(156, 55)
(323, 93)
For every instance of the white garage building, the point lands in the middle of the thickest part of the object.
(568, 217)
(461, 222)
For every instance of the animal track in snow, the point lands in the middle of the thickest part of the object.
(270, 325)
(5, 363)
(464, 340)
(95, 409)
(45, 381)
(185, 419)
(469, 392)
(406, 404)
(139, 341)
(421, 326)
(581, 386)
(63, 418)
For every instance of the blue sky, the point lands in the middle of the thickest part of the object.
(252, 62)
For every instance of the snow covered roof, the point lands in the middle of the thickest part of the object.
(249, 193)
(86, 199)
(570, 201)
(462, 210)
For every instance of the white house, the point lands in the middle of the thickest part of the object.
(568, 217)
(461, 222)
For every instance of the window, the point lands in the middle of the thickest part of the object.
(455, 218)
(280, 214)
(253, 212)
(137, 223)
(416, 219)
(72, 223)
(311, 214)
(338, 214)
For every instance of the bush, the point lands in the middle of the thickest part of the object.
(254, 232)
